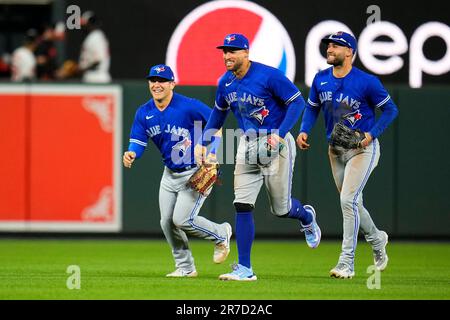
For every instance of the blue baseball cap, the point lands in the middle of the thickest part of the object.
(235, 40)
(343, 39)
(161, 71)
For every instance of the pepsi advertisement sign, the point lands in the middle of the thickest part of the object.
(270, 43)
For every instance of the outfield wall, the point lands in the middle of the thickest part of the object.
(407, 194)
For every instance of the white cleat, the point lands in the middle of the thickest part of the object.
(180, 273)
(380, 258)
(222, 249)
(342, 271)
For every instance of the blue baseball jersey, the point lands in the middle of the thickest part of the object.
(351, 99)
(260, 99)
(171, 130)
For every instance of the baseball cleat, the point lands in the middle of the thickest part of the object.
(380, 258)
(239, 273)
(180, 273)
(312, 231)
(342, 271)
(222, 249)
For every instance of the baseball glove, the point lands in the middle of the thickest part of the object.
(204, 178)
(69, 69)
(345, 137)
(269, 147)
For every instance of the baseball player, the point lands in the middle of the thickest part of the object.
(350, 96)
(169, 120)
(266, 105)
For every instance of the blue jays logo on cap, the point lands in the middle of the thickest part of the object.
(161, 71)
(230, 38)
(235, 40)
(342, 38)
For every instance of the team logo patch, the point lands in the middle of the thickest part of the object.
(230, 38)
(182, 146)
(160, 69)
(353, 117)
(260, 114)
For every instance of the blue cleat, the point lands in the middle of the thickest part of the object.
(312, 231)
(239, 273)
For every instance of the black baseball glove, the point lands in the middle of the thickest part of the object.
(345, 137)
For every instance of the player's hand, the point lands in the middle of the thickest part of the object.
(365, 142)
(302, 141)
(128, 158)
(200, 153)
(211, 158)
(275, 141)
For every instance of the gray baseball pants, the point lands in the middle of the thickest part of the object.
(351, 169)
(179, 207)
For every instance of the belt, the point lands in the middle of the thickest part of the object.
(179, 170)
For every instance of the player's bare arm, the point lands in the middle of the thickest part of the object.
(128, 158)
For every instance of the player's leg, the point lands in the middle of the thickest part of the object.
(247, 184)
(337, 161)
(184, 261)
(376, 238)
(359, 166)
(186, 217)
(278, 181)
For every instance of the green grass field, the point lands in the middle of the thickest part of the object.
(129, 269)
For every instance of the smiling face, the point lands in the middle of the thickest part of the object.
(161, 89)
(337, 54)
(235, 59)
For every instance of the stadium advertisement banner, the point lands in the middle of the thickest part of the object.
(61, 170)
(383, 49)
(399, 42)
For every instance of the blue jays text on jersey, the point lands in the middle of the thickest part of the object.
(260, 99)
(351, 100)
(171, 130)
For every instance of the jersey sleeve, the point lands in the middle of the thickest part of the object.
(220, 102)
(201, 111)
(313, 99)
(199, 117)
(138, 136)
(376, 93)
(204, 111)
(283, 88)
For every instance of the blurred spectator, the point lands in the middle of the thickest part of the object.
(5, 68)
(46, 53)
(94, 56)
(23, 62)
